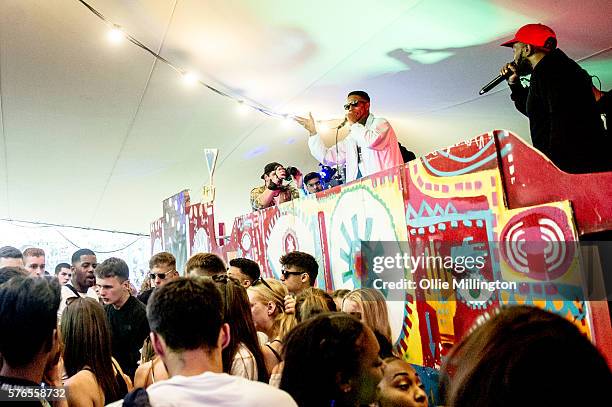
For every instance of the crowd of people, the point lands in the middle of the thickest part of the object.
(224, 335)
(228, 336)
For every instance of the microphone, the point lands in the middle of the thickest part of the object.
(499, 79)
(341, 125)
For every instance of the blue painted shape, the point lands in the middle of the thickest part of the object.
(426, 211)
(467, 159)
(504, 151)
(431, 380)
(432, 345)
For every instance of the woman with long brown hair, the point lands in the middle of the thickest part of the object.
(94, 378)
(243, 355)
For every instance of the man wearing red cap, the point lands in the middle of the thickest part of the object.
(563, 117)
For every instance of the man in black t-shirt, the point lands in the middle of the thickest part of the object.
(126, 315)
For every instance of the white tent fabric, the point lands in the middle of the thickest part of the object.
(97, 134)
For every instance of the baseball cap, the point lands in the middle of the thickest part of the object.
(270, 167)
(537, 35)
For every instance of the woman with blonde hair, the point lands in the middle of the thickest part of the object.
(311, 302)
(267, 299)
(369, 306)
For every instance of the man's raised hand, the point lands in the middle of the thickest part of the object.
(308, 123)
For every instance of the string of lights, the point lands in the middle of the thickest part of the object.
(117, 33)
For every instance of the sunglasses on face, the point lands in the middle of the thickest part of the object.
(287, 273)
(161, 276)
(354, 103)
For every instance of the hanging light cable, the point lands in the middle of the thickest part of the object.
(117, 34)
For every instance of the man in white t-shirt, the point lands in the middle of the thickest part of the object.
(188, 333)
(84, 262)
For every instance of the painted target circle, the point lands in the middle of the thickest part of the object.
(288, 232)
(539, 243)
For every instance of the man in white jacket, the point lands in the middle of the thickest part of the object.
(371, 145)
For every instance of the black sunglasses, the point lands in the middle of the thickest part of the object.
(161, 276)
(354, 103)
(286, 273)
(261, 280)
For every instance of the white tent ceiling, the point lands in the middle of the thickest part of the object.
(95, 134)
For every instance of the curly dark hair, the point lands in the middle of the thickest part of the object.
(316, 352)
(302, 261)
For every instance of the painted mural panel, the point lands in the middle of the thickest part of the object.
(201, 230)
(157, 236)
(175, 227)
(450, 204)
(246, 240)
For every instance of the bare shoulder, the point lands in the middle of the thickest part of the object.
(83, 390)
(142, 374)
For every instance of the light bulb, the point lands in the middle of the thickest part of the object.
(242, 108)
(190, 78)
(115, 35)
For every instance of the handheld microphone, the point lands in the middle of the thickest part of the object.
(341, 125)
(499, 79)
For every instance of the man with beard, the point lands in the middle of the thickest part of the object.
(84, 263)
(564, 121)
